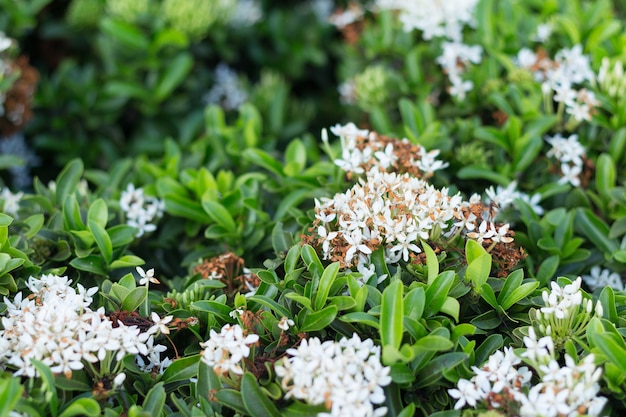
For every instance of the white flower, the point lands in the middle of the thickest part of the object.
(140, 210)
(571, 174)
(11, 201)
(160, 324)
(543, 32)
(285, 323)
(467, 393)
(600, 278)
(147, 277)
(57, 326)
(347, 375)
(224, 351)
(226, 91)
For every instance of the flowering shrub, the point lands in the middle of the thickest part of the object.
(182, 233)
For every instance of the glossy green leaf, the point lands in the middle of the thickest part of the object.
(326, 281)
(595, 229)
(432, 263)
(208, 381)
(391, 312)
(255, 400)
(361, 318)
(81, 407)
(181, 369)
(175, 73)
(219, 214)
(319, 320)
(437, 292)
(233, 399)
(103, 241)
(155, 400)
(133, 300)
(98, 213)
(68, 179)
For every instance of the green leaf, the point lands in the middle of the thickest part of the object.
(606, 175)
(126, 34)
(437, 292)
(10, 393)
(181, 369)
(414, 303)
(361, 318)
(391, 313)
(264, 160)
(173, 76)
(34, 223)
(103, 241)
(611, 349)
(208, 381)
(219, 215)
(127, 261)
(326, 281)
(595, 229)
(432, 263)
(318, 320)
(133, 300)
(479, 172)
(473, 250)
(71, 214)
(451, 307)
(271, 304)
(312, 261)
(233, 399)
(82, 407)
(98, 213)
(155, 400)
(478, 270)
(68, 179)
(48, 383)
(181, 206)
(255, 400)
(90, 263)
(489, 296)
(433, 343)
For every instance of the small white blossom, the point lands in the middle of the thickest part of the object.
(160, 324)
(140, 210)
(147, 277)
(285, 323)
(600, 278)
(346, 376)
(224, 351)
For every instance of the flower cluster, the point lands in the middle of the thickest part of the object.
(346, 376)
(570, 153)
(504, 197)
(10, 201)
(600, 278)
(560, 76)
(56, 326)
(435, 19)
(443, 19)
(501, 384)
(226, 90)
(565, 313)
(396, 211)
(362, 151)
(346, 17)
(225, 350)
(141, 210)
